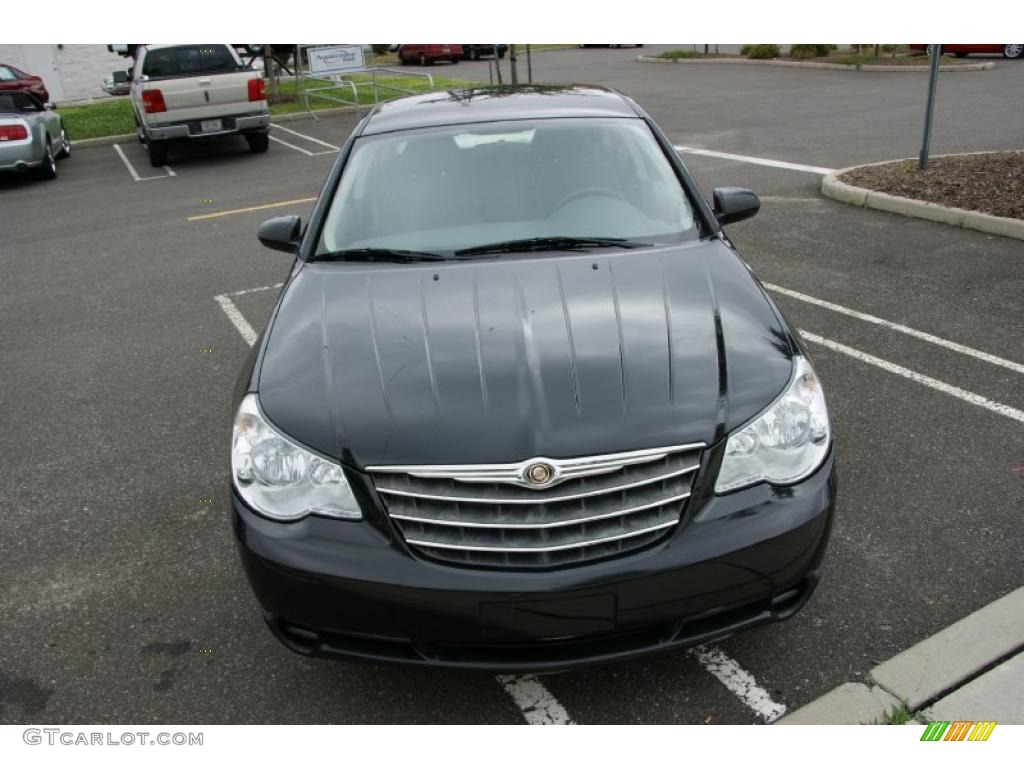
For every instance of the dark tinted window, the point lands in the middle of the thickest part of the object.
(185, 60)
(18, 101)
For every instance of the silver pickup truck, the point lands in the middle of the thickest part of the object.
(196, 91)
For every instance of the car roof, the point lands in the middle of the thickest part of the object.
(157, 47)
(490, 104)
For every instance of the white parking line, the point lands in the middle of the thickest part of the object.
(304, 136)
(535, 701)
(254, 290)
(237, 319)
(940, 386)
(755, 160)
(739, 681)
(135, 174)
(306, 152)
(937, 340)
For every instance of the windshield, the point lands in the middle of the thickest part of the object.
(185, 60)
(466, 186)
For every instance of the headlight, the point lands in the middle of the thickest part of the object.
(281, 479)
(785, 443)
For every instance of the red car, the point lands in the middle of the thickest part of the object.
(13, 79)
(428, 54)
(1008, 50)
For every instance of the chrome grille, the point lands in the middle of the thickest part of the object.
(489, 516)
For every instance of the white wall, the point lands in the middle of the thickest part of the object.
(70, 72)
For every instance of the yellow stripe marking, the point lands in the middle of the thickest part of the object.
(263, 207)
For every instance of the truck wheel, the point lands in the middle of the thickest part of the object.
(258, 142)
(157, 152)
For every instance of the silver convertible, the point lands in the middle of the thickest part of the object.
(32, 135)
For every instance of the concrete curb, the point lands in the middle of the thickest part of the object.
(849, 704)
(835, 189)
(100, 141)
(977, 67)
(927, 673)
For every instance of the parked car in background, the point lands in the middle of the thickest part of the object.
(1008, 50)
(429, 54)
(32, 135)
(14, 79)
(474, 51)
(521, 406)
(196, 91)
(117, 83)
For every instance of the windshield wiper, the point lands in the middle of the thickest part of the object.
(401, 256)
(551, 244)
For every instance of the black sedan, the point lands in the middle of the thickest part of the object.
(520, 404)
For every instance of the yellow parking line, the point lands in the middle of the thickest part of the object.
(233, 211)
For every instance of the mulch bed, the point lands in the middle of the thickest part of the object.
(992, 182)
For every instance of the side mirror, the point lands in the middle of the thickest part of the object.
(281, 233)
(735, 204)
(130, 72)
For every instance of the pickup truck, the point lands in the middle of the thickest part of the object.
(196, 91)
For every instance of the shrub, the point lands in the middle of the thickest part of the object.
(760, 51)
(379, 49)
(810, 50)
(679, 53)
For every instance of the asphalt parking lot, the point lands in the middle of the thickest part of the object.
(121, 595)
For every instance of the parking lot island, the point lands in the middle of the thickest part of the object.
(851, 186)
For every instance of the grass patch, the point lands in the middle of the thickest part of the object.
(112, 117)
(900, 715)
(104, 118)
(679, 53)
(860, 59)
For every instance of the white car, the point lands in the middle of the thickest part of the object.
(196, 91)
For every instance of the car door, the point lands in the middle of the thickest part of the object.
(53, 129)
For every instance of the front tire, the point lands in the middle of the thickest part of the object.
(48, 170)
(258, 142)
(157, 149)
(1013, 51)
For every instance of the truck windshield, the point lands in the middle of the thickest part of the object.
(187, 60)
(467, 186)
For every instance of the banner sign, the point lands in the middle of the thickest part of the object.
(331, 59)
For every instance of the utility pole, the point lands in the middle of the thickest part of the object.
(270, 68)
(529, 65)
(513, 75)
(933, 78)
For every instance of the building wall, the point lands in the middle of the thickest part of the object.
(71, 72)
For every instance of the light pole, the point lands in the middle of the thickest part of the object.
(933, 78)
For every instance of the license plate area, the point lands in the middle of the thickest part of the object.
(547, 619)
(211, 126)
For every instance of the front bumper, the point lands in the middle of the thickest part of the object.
(190, 129)
(340, 588)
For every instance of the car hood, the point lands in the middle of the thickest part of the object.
(499, 360)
